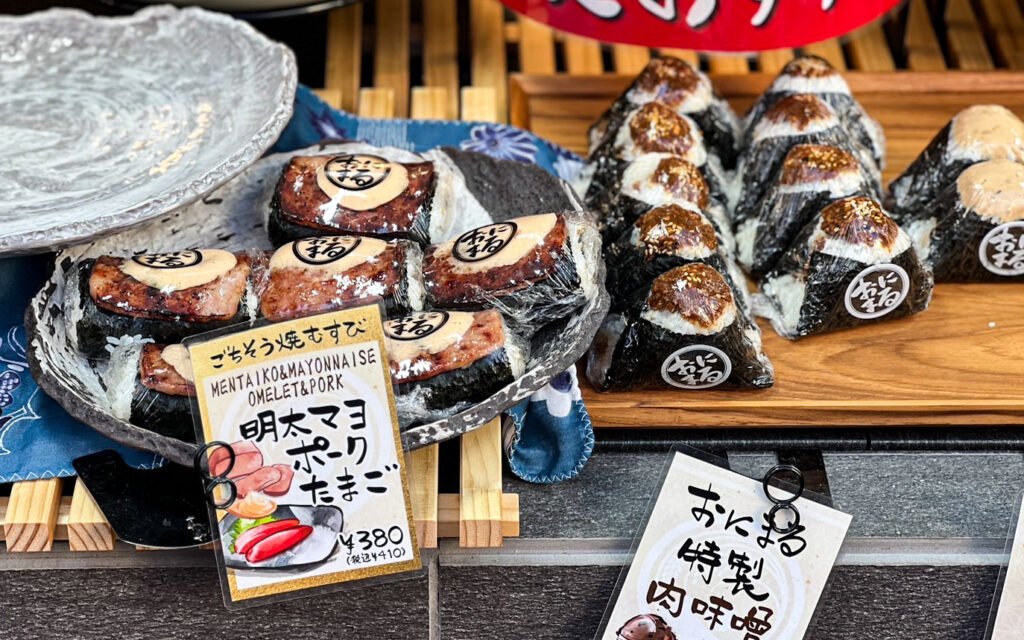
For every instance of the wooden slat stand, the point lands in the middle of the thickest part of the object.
(480, 517)
(31, 517)
(87, 527)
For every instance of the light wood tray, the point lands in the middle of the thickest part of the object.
(959, 362)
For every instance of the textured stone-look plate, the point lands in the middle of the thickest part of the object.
(233, 217)
(109, 122)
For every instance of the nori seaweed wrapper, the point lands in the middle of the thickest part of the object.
(795, 120)
(685, 333)
(650, 129)
(976, 134)
(850, 266)
(810, 178)
(666, 238)
(162, 393)
(309, 199)
(533, 269)
(686, 90)
(443, 361)
(97, 330)
(976, 233)
(166, 414)
(814, 75)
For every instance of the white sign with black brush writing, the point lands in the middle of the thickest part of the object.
(709, 565)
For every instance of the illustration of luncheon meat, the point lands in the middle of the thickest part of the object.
(646, 627)
(258, 480)
(248, 458)
(282, 486)
(249, 473)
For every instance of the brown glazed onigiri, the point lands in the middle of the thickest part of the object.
(811, 177)
(814, 75)
(685, 332)
(654, 130)
(680, 86)
(655, 180)
(798, 119)
(662, 239)
(851, 265)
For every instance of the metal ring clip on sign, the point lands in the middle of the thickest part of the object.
(783, 504)
(211, 482)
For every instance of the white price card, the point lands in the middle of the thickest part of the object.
(1009, 615)
(307, 413)
(709, 566)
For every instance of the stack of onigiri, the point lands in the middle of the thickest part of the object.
(660, 175)
(693, 201)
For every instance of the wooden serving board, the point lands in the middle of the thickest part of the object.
(959, 362)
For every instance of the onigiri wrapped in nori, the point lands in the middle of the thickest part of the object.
(686, 332)
(650, 129)
(165, 297)
(664, 238)
(681, 87)
(655, 180)
(852, 265)
(533, 269)
(363, 194)
(793, 120)
(976, 134)
(443, 361)
(811, 177)
(813, 75)
(976, 231)
(162, 400)
(325, 273)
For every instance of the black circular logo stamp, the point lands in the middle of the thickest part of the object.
(170, 260)
(356, 172)
(1002, 249)
(876, 291)
(698, 366)
(324, 250)
(480, 244)
(416, 326)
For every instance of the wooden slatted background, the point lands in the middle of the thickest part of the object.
(446, 58)
(478, 43)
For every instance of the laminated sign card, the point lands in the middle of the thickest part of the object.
(315, 456)
(1009, 616)
(709, 566)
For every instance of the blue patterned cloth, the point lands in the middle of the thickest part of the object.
(548, 437)
(38, 439)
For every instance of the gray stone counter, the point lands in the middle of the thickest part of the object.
(922, 560)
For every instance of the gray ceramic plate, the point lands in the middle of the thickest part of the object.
(480, 188)
(109, 122)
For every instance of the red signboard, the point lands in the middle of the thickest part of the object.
(706, 25)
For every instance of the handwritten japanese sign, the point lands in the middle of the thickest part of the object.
(707, 25)
(308, 409)
(709, 565)
(1009, 616)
